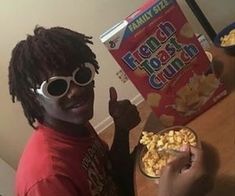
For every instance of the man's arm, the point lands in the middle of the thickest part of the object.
(53, 185)
(126, 117)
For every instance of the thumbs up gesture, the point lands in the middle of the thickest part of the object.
(124, 113)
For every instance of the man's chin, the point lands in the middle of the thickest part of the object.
(83, 120)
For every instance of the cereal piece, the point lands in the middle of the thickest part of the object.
(209, 84)
(146, 138)
(155, 138)
(178, 133)
(171, 140)
(151, 146)
(194, 94)
(193, 144)
(167, 120)
(166, 145)
(183, 93)
(153, 99)
(179, 139)
(144, 141)
(193, 100)
(144, 133)
(171, 133)
(160, 143)
(186, 31)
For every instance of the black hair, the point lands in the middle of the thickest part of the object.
(41, 54)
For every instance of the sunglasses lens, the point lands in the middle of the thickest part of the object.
(57, 87)
(83, 75)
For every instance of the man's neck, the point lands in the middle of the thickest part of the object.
(67, 128)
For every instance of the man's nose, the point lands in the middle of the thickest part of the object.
(74, 90)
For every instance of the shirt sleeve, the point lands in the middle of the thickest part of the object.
(54, 185)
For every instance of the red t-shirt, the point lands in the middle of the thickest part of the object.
(56, 164)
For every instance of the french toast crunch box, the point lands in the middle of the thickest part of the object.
(157, 49)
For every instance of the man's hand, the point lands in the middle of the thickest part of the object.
(179, 180)
(124, 113)
(126, 117)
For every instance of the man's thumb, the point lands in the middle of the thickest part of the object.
(179, 161)
(113, 94)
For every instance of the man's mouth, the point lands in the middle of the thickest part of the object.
(77, 105)
(80, 102)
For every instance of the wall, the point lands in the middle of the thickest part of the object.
(92, 17)
(7, 175)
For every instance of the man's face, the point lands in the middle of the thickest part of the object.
(76, 106)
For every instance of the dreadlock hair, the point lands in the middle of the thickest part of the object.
(41, 54)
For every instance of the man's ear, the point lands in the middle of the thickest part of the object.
(38, 100)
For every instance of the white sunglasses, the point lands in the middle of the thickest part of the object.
(57, 86)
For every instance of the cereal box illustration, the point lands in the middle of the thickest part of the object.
(157, 49)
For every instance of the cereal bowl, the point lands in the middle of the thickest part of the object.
(226, 39)
(159, 148)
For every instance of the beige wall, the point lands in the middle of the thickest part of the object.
(7, 176)
(92, 17)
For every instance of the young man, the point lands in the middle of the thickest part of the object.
(52, 74)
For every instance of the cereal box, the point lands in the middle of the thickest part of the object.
(157, 49)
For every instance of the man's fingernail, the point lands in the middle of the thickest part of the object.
(184, 148)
